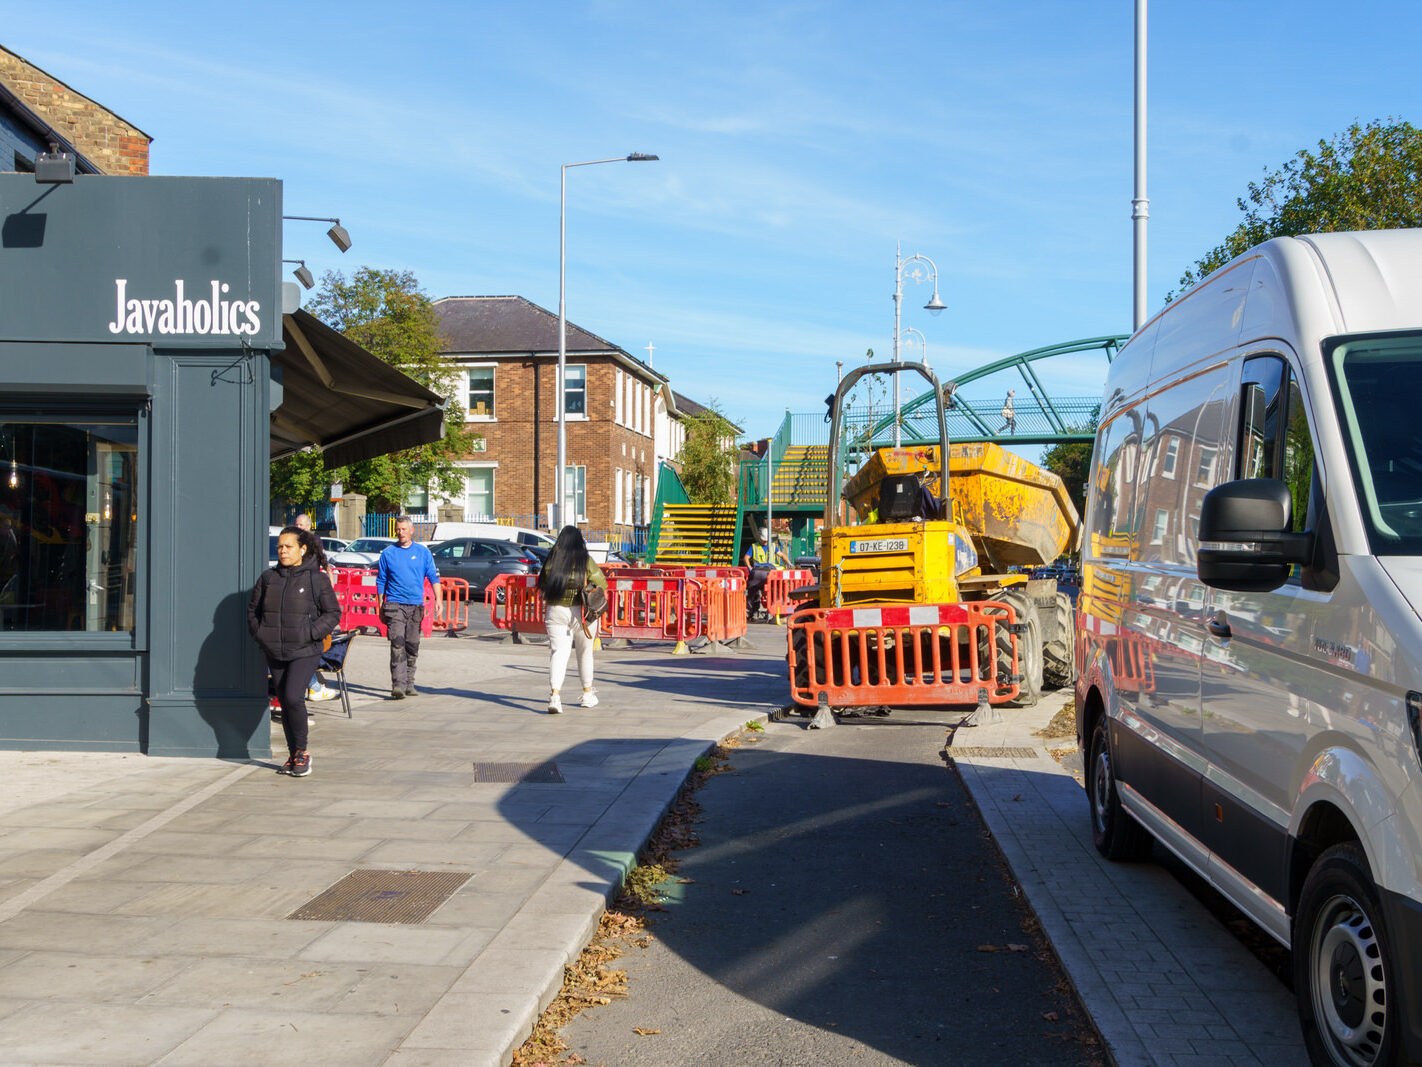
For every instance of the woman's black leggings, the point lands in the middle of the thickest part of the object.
(291, 679)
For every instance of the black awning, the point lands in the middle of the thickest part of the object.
(343, 401)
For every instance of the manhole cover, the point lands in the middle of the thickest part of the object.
(383, 897)
(993, 753)
(517, 772)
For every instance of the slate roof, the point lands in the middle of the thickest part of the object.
(499, 324)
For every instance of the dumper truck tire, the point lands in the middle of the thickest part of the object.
(1058, 660)
(1029, 647)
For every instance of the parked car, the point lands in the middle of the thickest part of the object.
(1250, 647)
(489, 531)
(478, 561)
(362, 552)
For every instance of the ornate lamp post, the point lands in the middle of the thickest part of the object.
(915, 273)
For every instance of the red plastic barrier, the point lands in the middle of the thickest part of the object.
(725, 608)
(355, 589)
(778, 586)
(904, 655)
(522, 609)
(454, 602)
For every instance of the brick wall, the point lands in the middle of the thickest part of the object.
(524, 438)
(114, 146)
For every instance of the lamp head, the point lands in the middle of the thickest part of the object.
(641, 157)
(303, 275)
(340, 237)
(54, 167)
(935, 305)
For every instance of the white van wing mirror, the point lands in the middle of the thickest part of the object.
(1245, 542)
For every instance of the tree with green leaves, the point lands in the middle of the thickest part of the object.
(708, 458)
(1366, 178)
(386, 313)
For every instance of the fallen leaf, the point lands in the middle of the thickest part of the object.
(1017, 797)
(989, 948)
(644, 1031)
(1050, 1016)
(739, 892)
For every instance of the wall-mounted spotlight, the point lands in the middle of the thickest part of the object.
(54, 167)
(303, 275)
(336, 233)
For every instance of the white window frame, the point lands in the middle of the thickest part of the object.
(1205, 465)
(568, 369)
(469, 470)
(1161, 527)
(617, 398)
(1169, 456)
(617, 496)
(469, 415)
(575, 496)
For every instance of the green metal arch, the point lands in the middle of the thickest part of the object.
(1057, 429)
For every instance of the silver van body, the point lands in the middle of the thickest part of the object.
(1249, 646)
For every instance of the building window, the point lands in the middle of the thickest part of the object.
(575, 499)
(1206, 469)
(1168, 458)
(639, 516)
(1162, 523)
(481, 393)
(479, 494)
(617, 497)
(617, 395)
(417, 502)
(575, 389)
(68, 519)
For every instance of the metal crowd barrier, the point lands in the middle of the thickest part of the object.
(904, 655)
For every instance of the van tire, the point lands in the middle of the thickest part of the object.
(1058, 662)
(1029, 647)
(1341, 942)
(1115, 834)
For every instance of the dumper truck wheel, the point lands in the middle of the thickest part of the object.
(1058, 661)
(1029, 647)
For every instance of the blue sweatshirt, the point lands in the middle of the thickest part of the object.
(400, 575)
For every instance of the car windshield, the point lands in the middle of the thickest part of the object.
(367, 544)
(1376, 380)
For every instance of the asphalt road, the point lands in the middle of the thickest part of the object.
(845, 906)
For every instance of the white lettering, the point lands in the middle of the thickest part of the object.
(181, 315)
(120, 284)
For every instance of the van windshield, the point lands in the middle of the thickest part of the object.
(1377, 380)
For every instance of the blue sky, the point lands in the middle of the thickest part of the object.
(799, 142)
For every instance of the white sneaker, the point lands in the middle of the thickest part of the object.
(321, 693)
(555, 705)
(590, 698)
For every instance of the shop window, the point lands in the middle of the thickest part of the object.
(481, 393)
(575, 390)
(68, 520)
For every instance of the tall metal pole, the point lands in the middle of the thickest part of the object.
(561, 396)
(560, 480)
(898, 300)
(1140, 205)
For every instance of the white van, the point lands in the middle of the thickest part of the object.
(491, 531)
(1249, 645)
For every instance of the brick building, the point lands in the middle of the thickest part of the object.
(623, 419)
(37, 108)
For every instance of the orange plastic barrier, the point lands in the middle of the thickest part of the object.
(355, 589)
(778, 586)
(454, 602)
(904, 654)
(655, 609)
(522, 608)
(724, 608)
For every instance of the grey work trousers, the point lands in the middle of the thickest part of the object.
(402, 626)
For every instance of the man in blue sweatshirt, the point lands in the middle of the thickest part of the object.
(400, 589)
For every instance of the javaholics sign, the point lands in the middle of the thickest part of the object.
(180, 315)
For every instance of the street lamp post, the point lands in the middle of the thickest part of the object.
(560, 479)
(916, 273)
(922, 343)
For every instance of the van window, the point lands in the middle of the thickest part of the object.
(1376, 381)
(1115, 476)
(1274, 438)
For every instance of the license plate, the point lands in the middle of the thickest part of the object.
(888, 544)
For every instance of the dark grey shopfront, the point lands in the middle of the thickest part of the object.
(138, 322)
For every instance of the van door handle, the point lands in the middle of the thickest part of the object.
(1219, 627)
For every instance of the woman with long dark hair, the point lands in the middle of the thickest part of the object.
(291, 612)
(560, 581)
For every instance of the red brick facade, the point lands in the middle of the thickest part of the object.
(113, 145)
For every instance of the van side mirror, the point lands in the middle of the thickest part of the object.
(1246, 525)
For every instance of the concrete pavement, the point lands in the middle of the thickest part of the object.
(146, 906)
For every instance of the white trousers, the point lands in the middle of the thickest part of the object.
(565, 634)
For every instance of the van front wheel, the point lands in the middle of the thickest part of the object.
(1115, 834)
(1343, 964)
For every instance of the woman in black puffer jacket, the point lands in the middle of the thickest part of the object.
(292, 610)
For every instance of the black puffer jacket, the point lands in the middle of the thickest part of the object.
(292, 610)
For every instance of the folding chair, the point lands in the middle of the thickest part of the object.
(333, 660)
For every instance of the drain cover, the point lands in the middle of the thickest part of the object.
(993, 753)
(383, 897)
(517, 772)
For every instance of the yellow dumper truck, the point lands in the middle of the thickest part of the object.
(917, 603)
